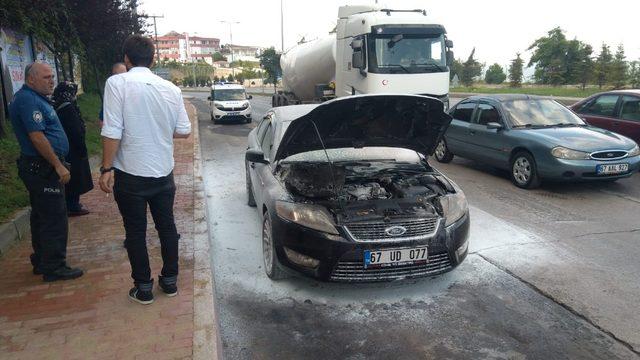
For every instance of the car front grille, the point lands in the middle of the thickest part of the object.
(609, 155)
(354, 271)
(232, 108)
(415, 229)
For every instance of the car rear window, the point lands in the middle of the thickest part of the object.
(464, 111)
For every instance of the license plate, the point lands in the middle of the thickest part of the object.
(394, 256)
(233, 113)
(612, 169)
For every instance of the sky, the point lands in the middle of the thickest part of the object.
(498, 29)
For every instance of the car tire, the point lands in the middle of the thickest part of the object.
(248, 121)
(523, 170)
(442, 153)
(251, 201)
(212, 118)
(272, 266)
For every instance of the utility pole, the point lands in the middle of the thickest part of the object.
(281, 28)
(233, 72)
(155, 30)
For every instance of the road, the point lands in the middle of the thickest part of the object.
(551, 273)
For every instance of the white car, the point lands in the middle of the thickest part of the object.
(229, 102)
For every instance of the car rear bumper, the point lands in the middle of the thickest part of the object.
(584, 170)
(342, 259)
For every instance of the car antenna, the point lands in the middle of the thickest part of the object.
(333, 176)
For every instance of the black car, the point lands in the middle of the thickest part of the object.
(346, 193)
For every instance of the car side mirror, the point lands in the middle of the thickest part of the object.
(249, 97)
(209, 98)
(494, 126)
(255, 156)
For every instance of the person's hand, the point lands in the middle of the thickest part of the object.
(63, 174)
(106, 182)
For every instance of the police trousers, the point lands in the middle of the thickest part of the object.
(133, 194)
(49, 223)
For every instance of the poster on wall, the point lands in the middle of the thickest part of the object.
(16, 54)
(44, 55)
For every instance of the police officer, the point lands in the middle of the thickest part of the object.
(43, 146)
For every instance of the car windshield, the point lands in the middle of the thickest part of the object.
(370, 154)
(407, 54)
(540, 113)
(228, 94)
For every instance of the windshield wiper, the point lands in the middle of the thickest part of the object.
(439, 67)
(403, 68)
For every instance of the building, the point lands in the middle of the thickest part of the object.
(240, 52)
(185, 48)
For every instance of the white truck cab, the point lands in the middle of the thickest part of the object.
(229, 102)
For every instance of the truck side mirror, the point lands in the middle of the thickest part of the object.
(449, 58)
(357, 60)
(356, 45)
(448, 43)
(209, 98)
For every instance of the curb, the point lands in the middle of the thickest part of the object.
(14, 230)
(206, 337)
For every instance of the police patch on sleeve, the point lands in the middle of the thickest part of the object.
(37, 116)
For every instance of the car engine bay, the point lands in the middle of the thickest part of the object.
(366, 191)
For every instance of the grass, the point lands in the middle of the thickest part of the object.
(531, 90)
(13, 195)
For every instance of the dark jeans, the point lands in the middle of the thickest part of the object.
(133, 193)
(49, 223)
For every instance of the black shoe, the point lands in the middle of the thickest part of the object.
(62, 273)
(168, 285)
(144, 297)
(35, 262)
(37, 271)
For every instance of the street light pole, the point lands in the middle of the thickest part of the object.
(155, 30)
(231, 42)
(281, 28)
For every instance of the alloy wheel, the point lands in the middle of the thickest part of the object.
(522, 170)
(441, 150)
(267, 245)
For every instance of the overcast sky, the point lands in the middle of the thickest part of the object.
(497, 29)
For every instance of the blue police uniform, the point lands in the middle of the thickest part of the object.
(31, 112)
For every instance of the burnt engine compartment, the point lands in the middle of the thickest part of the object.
(364, 191)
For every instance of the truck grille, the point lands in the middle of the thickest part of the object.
(415, 229)
(354, 270)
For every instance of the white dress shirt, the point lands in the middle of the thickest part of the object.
(143, 111)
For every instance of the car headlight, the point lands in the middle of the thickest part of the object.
(218, 106)
(568, 154)
(635, 151)
(454, 206)
(311, 216)
(245, 105)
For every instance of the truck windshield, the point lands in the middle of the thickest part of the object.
(415, 53)
(228, 94)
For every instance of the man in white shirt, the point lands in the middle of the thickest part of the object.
(142, 115)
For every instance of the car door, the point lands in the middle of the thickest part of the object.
(458, 131)
(601, 111)
(256, 143)
(488, 145)
(629, 117)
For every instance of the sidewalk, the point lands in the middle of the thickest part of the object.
(91, 317)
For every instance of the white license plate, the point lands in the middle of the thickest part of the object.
(233, 113)
(612, 169)
(394, 256)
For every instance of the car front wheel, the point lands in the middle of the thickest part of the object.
(524, 173)
(442, 152)
(271, 263)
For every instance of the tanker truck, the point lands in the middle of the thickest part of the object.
(372, 50)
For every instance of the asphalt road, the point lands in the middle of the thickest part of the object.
(552, 273)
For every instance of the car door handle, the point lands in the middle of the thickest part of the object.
(615, 123)
(472, 132)
(253, 165)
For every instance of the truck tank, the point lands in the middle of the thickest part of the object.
(308, 64)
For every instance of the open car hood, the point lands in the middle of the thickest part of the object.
(402, 121)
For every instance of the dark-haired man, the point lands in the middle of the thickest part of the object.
(43, 146)
(142, 115)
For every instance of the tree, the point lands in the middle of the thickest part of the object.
(470, 69)
(230, 78)
(618, 70)
(456, 69)
(270, 62)
(550, 58)
(515, 71)
(583, 71)
(216, 79)
(634, 74)
(603, 65)
(218, 57)
(495, 75)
